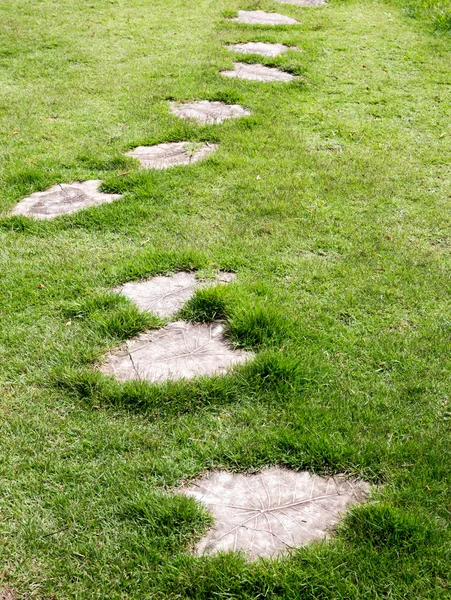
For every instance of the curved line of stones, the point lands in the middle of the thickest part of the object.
(176, 151)
(268, 538)
(68, 198)
(72, 195)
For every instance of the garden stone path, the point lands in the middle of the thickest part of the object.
(62, 199)
(303, 2)
(178, 351)
(261, 48)
(260, 17)
(208, 112)
(277, 509)
(257, 73)
(171, 154)
(165, 296)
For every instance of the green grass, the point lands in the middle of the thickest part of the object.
(435, 12)
(331, 203)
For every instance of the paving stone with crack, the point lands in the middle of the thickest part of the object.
(261, 48)
(178, 351)
(260, 17)
(171, 154)
(208, 112)
(257, 73)
(271, 511)
(63, 199)
(304, 2)
(165, 296)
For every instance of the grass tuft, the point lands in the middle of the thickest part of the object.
(209, 304)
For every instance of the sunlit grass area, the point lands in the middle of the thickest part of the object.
(331, 204)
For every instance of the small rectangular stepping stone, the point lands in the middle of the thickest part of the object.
(260, 17)
(63, 199)
(165, 296)
(257, 73)
(205, 111)
(171, 154)
(261, 48)
(265, 513)
(178, 351)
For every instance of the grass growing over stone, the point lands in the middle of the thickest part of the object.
(330, 202)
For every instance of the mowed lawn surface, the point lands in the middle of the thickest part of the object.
(331, 202)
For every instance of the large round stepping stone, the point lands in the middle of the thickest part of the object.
(260, 17)
(304, 2)
(171, 154)
(271, 511)
(205, 111)
(257, 73)
(165, 296)
(178, 351)
(63, 198)
(261, 48)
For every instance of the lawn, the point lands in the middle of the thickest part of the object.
(331, 203)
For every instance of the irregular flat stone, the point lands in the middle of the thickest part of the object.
(171, 154)
(303, 2)
(271, 511)
(257, 73)
(205, 111)
(165, 296)
(261, 48)
(63, 199)
(178, 351)
(260, 17)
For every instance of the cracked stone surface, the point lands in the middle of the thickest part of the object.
(208, 112)
(63, 199)
(261, 48)
(257, 73)
(277, 509)
(165, 296)
(171, 154)
(260, 17)
(178, 351)
(303, 2)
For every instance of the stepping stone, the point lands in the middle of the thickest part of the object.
(205, 111)
(257, 73)
(63, 199)
(178, 351)
(261, 48)
(168, 155)
(303, 2)
(260, 17)
(271, 511)
(165, 296)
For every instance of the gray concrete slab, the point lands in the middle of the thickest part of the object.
(171, 154)
(277, 509)
(303, 2)
(260, 48)
(208, 112)
(165, 295)
(63, 199)
(257, 72)
(260, 17)
(178, 351)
